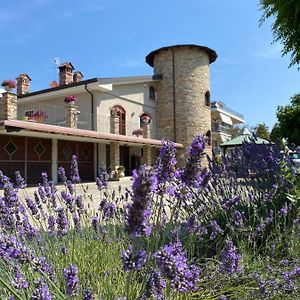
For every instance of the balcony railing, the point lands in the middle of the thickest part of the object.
(221, 128)
(226, 109)
(57, 115)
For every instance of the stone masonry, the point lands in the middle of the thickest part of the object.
(146, 149)
(71, 115)
(23, 84)
(186, 79)
(8, 106)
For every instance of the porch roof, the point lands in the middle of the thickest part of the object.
(17, 126)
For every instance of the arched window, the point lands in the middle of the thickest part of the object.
(207, 98)
(122, 118)
(151, 93)
(144, 116)
(208, 135)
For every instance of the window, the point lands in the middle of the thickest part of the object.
(144, 116)
(151, 93)
(122, 118)
(207, 98)
(208, 135)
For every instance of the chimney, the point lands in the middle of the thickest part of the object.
(77, 76)
(66, 73)
(23, 84)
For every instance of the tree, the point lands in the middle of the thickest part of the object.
(289, 120)
(276, 136)
(262, 131)
(286, 27)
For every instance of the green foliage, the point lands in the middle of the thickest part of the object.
(262, 131)
(275, 136)
(289, 120)
(286, 27)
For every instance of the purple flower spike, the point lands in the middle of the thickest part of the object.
(72, 281)
(133, 260)
(74, 170)
(41, 291)
(138, 213)
(230, 259)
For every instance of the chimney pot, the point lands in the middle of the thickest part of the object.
(66, 73)
(23, 84)
(77, 76)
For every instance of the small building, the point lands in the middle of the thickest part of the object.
(246, 137)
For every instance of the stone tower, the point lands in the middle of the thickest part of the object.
(182, 104)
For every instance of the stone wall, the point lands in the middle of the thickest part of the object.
(8, 106)
(186, 78)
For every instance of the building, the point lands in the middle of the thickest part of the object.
(114, 121)
(223, 119)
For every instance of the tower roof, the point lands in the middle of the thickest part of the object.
(211, 53)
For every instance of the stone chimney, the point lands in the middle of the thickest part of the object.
(8, 106)
(77, 76)
(66, 73)
(23, 84)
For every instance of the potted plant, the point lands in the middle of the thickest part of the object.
(121, 171)
(40, 116)
(145, 118)
(70, 100)
(138, 132)
(9, 84)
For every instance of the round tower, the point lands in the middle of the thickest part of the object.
(183, 93)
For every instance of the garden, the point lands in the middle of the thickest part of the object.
(230, 230)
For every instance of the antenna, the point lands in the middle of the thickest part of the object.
(56, 63)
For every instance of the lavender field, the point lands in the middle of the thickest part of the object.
(230, 231)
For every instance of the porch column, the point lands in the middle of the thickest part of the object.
(54, 166)
(147, 135)
(71, 115)
(8, 106)
(114, 146)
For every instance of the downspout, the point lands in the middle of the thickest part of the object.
(93, 127)
(174, 95)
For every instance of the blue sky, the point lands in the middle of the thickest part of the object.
(110, 38)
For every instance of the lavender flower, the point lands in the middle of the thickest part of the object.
(238, 218)
(230, 259)
(216, 229)
(19, 282)
(192, 175)
(95, 223)
(31, 205)
(41, 291)
(173, 264)
(166, 162)
(51, 225)
(138, 213)
(76, 221)
(74, 170)
(62, 175)
(72, 281)
(62, 222)
(20, 181)
(101, 180)
(154, 287)
(87, 295)
(79, 204)
(69, 200)
(133, 260)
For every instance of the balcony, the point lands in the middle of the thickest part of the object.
(221, 106)
(218, 128)
(58, 115)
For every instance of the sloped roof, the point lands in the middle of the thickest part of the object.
(244, 138)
